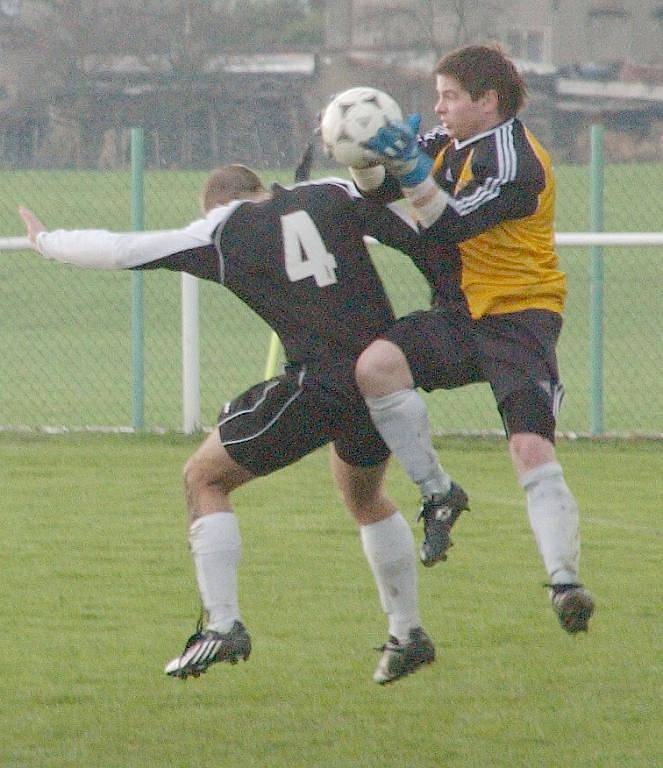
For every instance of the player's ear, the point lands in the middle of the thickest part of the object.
(490, 100)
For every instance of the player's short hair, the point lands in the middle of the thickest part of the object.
(483, 68)
(230, 182)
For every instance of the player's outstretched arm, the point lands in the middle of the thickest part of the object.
(101, 249)
(85, 248)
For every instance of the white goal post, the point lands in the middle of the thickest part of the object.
(190, 326)
(633, 239)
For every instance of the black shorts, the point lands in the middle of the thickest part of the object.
(514, 353)
(279, 421)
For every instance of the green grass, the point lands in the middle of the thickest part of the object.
(98, 592)
(65, 333)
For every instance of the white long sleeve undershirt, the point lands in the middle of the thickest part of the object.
(101, 249)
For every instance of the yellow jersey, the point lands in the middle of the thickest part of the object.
(496, 232)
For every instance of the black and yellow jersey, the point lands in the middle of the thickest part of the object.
(496, 232)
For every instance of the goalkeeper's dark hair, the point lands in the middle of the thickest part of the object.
(483, 68)
(230, 182)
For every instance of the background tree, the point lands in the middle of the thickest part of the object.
(72, 55)
(448, 24)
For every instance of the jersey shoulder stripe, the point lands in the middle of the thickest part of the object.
(505, 161)
(434, 141)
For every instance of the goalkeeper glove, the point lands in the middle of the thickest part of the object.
(397, 144)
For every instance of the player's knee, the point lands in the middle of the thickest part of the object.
(368, 369)
(530, 450)
(191, 474)
(381, 369)
(199, 475)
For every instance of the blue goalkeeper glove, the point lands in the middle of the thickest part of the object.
(397, 144)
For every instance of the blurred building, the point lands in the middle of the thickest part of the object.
(584, 61)
(557, 33)
(70, 99)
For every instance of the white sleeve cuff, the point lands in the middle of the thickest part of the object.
(40, 244)
(368, 179)
(428, 201)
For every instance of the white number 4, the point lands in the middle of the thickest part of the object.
(305, 251)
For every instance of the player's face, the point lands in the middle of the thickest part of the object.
(461, 117)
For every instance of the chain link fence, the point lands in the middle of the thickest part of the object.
(66, 338)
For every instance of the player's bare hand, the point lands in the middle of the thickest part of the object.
(32, 224)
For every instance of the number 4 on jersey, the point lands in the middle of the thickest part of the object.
(305, 251)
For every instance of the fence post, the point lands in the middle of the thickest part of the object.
(137, 330)
(190, 354)
(596, 283)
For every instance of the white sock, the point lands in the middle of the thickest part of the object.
(389, 549)
(402, 420)
(553, 515)
(216, 547)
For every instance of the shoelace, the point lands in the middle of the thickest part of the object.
(430, 508)
(560, 589)
(390, 646)
(199, 630)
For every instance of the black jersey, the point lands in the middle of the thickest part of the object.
(297, 258)
(299, 261)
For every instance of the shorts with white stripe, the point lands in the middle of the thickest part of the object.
(277, 422)
(514, 352)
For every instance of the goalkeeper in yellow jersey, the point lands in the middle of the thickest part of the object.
(483, 191)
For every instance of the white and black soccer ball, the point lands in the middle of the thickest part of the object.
(351, 118)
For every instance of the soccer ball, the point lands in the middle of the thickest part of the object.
(351, 118)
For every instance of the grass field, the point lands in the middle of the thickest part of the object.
(98, 592)
(66, 333)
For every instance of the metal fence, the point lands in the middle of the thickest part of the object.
(68, 349)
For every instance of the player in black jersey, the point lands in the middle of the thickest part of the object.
(483, 190)
(297, 257)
